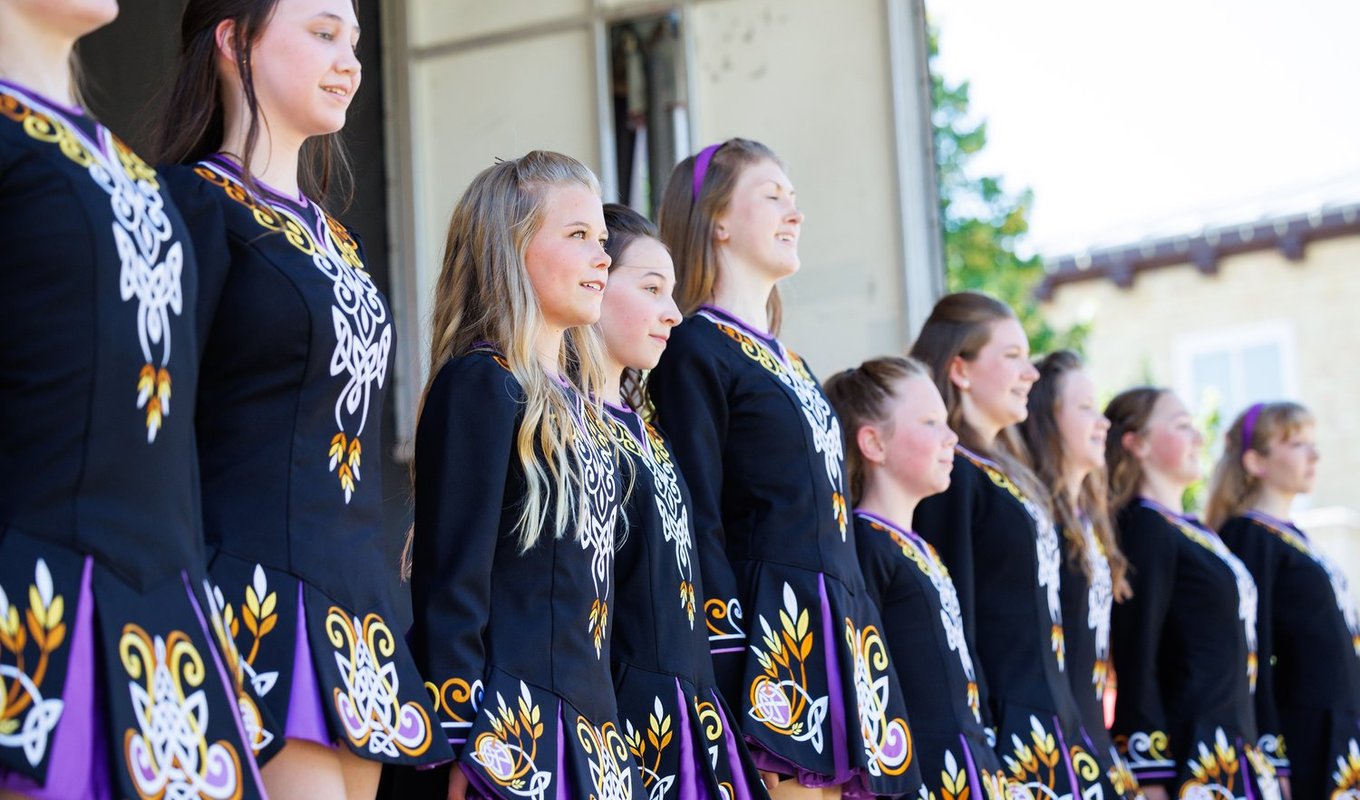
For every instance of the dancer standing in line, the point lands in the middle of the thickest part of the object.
(676, 724)
(1185, 643)
(297, 363)
(111, 680)
(1308, 632)
(994, 531)
(517, 494)
(900, 450)
(1065, 436)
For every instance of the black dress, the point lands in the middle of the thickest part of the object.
(1308, 689)
(923, 626)
(296, 369)
(1086, 606)
(515, 643)
(1003, 552)
(1184, 651)
(675, 722)
(762, 452)
(111, 681)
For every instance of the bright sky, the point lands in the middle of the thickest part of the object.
(1131, 119)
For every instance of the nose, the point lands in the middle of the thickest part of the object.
(348, 63)
(1031, 374)
(952, 438)
(1102, 423)
(671, 315)
(795, 216)
(603, 260)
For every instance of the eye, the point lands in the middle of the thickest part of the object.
(652, 289)
(578, 234)
(326, 36)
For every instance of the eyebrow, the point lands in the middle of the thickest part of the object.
(326, 15)
(650, 270)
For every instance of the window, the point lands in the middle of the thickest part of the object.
(1225, 371)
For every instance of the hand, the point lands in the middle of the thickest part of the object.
(1155, 793)
(458, 784)
(770, 779)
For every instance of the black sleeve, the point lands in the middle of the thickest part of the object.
(463, 451)
(201, 209)
(689, 389)
(1140, 719)
(1261, 552)
(947, 522)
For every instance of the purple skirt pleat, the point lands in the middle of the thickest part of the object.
(306, 714)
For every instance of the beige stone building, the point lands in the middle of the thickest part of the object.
(1234, 315)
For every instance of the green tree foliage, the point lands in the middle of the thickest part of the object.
(983, 222)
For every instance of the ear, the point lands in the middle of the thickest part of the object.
(870, 445)
(958, 373)
(1254, 463)
(1132, 443)
(720, 232)
(224, 37)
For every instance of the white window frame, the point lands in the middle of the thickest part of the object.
(1235, 340)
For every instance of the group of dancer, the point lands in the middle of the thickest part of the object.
(652, 556)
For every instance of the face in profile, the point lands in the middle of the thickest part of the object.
(1081, 426)
(1289, 465)
(995, 384)
(303, 66)
(639, 308)
(759, 229)
(1169, 445)
(567, 265)
(914, 447)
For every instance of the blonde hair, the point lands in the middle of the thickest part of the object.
(688, 222)
(1128, 412)
(1044, 442)
(860, 397)
(959, 326)
(1232, 490)
(483, 296)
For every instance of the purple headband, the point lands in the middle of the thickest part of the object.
(701, 166)
(1249, 424)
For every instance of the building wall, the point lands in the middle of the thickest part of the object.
(484, 80)
(1309, 305)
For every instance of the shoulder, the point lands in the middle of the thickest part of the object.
(481, 379)
(1139, 521)
(691, 338)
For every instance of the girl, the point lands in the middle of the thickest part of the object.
(994, 532)
(1065, 434)
(297, 355)
(1308, 635)
(517, 496)
(900, 450)
(675, 723)
(763, 453)
(111, 684)
(1184, 644)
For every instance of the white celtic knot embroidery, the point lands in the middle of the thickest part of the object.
(598, 514)
(27, 719)
(370, 707)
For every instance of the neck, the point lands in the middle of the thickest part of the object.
(613, 380)
(275, 158)
(35, 58)
(1274, 502)
(548, 346)
(1163, 490)
(1072, 480)
(888, 501)
(744, 295)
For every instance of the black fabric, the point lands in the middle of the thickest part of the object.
(494, 625)
(762, 453)
(663, 674)
(1183, 661)
(1003, 554)
(933, 660)
(1308, 691)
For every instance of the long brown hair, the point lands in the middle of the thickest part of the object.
(860, 396)
(1128, 412)
(688, 222)
(1232, 490)
(192, 124)
(959, 326)
(1044, 443)
(626, 226)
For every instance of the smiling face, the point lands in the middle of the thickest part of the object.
(639, 308)
(1290, 465)
(760, 227)
(994, 386)
(567, 265)
(1169, 445)
(1081, 425)
(914, 447)
(303, 66)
